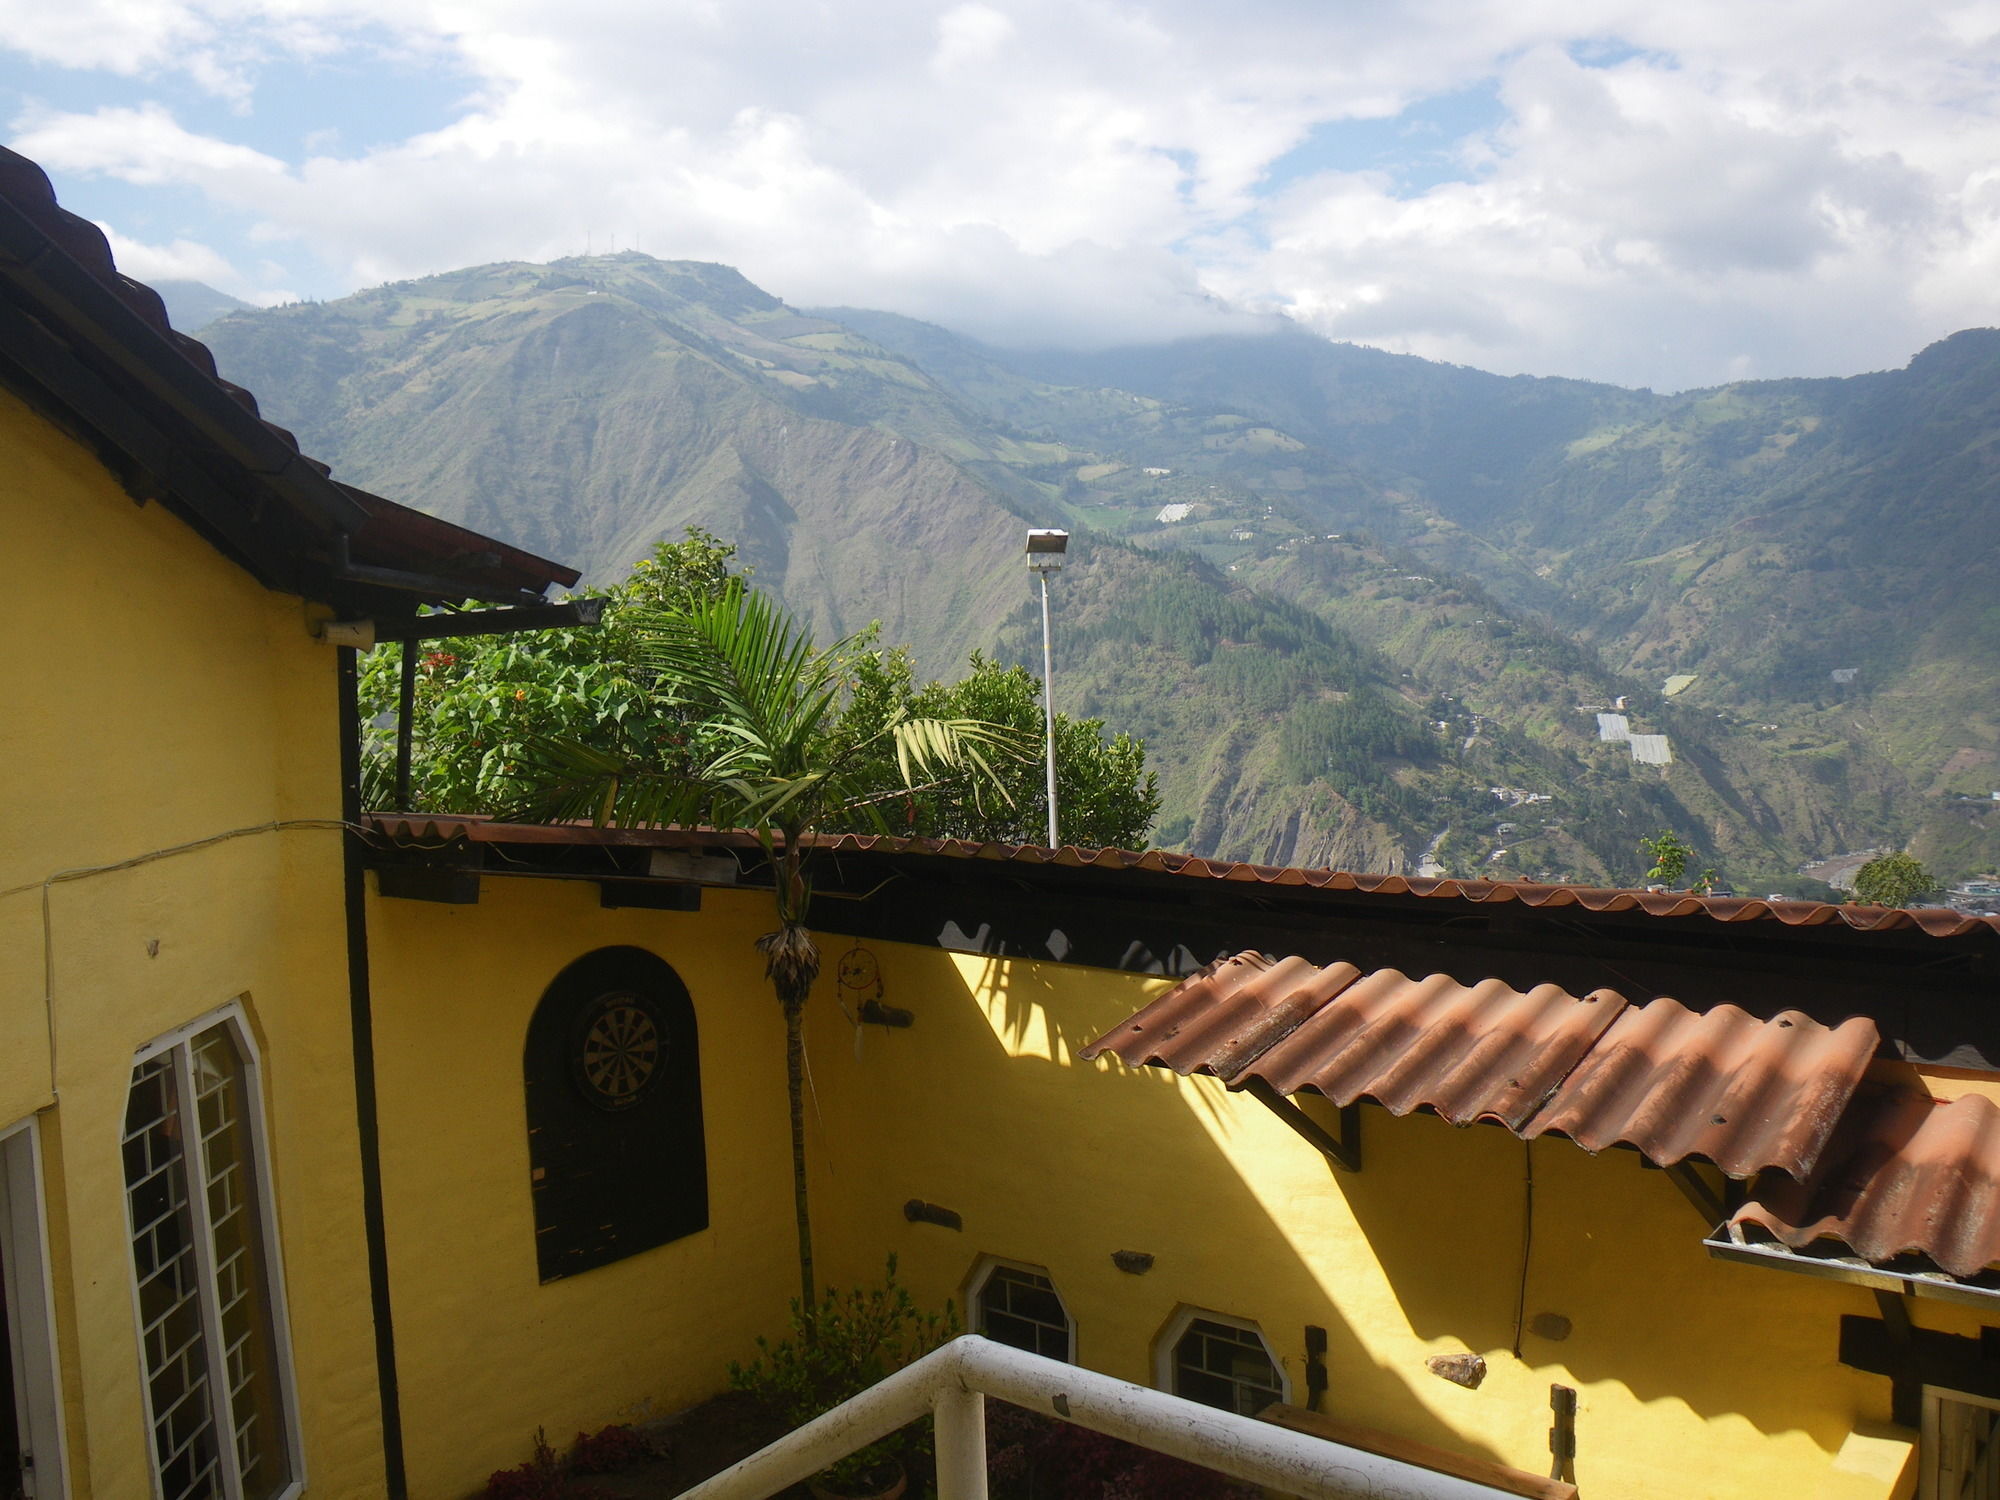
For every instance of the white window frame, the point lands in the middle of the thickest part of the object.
(1928, 1455)
(1184, 1318)
(231, 1015)
(982, 1272)
(31, 1308)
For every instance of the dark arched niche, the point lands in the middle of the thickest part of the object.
(615, 1146)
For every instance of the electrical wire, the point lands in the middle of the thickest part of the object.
(47, 884)
(1527, 1241)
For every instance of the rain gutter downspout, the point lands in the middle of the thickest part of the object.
(367, 1123)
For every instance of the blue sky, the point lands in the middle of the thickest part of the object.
(1416, 149)
(1615, 190)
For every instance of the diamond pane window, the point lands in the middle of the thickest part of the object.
(208, 1302)
(1227, 1366)
(1021, 1307)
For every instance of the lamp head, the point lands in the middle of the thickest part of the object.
(1046, 550)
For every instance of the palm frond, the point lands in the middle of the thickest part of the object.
(927, 747)
(569, 781)
(751, 666)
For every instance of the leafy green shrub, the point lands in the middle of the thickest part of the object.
(1892, 880)
(852, 1341)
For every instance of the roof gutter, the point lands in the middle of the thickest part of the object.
(429, 585)
(570, 614)
(1935, 1286)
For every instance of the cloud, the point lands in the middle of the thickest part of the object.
(145, 146)
(180, 260)
(1670, 195)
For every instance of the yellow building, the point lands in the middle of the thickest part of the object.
(175, 936)
(322, 1170)
(987, 1135)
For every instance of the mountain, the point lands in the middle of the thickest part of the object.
(587, 409)
(1363, 607)
(1820, 556)
(193, 305)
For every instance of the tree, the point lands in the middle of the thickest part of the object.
(481, 700)
(1670, 855)
(1105, 796)
(761, 744)
(1892, 880)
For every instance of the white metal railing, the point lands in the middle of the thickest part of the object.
(949, 1384)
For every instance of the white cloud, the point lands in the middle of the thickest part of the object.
(145, 146)
(1798, 186)
(190, 260)
(178, 260)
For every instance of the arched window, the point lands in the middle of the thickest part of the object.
(615, 1148)
(1019, 1305)
(1220, 1361)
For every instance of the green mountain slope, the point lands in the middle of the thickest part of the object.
(193, 305)
(1417, 688)
(586, 411)
(1760, 536)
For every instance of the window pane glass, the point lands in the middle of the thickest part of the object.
(242, 1273)
(1022, 1309)
(163, 1260)
(1226, 1367)
(206, 1325)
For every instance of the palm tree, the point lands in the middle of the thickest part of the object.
(768, 753)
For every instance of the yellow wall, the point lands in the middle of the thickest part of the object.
(486, 1353)
(156, 696)
(1695, 1377)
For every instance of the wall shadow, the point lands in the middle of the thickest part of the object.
(979, 1108)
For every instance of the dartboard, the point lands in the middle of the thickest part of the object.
(619, 1050)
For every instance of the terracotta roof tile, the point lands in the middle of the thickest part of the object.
(1721, 1086)
(1472, 1052)
(1235, 1008)
(1906, 1174)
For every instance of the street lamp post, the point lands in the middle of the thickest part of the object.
(1046, 550)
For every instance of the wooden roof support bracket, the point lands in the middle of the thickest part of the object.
(1343, 1150)
(1713, 1206)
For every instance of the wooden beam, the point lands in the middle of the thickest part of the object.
(1343, 1150)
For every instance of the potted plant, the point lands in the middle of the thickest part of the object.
(851, 1341)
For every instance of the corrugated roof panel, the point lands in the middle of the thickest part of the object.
(1234, 1009)
(1671, 1082)
(1468, 1052)
(1906, 1174)
(1719, 1085)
